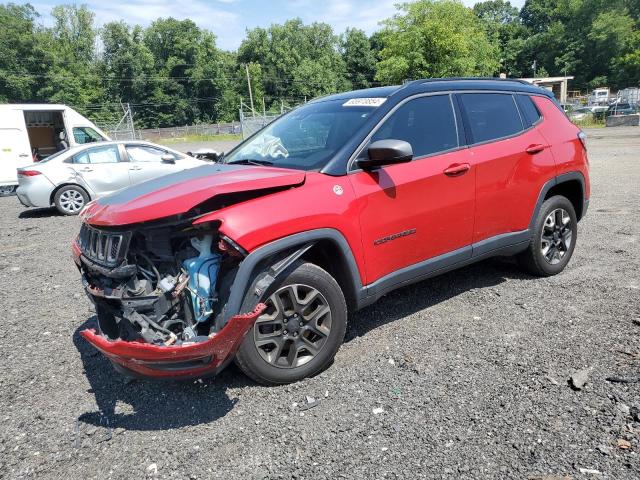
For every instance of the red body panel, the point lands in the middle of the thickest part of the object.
(180, 197)
(509, 181)
(158, 360)
(434, 210)
(316, 205)
(562, 135)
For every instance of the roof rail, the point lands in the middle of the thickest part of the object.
(449, 79)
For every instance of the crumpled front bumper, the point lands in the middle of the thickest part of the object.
(190, 360)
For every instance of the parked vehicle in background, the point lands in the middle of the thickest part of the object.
(581, 114)
(629, 95)
(322, 212)
(622, 109)
(31, 133)
(70, 178)
(600, 96)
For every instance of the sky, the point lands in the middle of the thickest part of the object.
(229, 19)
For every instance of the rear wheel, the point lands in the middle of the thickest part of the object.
(70, 199)
(554, 238)
(7, 190)
(300, 331)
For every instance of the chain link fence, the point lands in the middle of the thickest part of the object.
(154, 134)
(115, 122)
(252, 121)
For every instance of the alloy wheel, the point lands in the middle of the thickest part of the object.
(294, 327)
(71, 201)
(556, 236)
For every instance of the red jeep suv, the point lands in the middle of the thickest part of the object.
(261, 257)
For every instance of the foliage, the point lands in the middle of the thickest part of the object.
(435, 39)
(359, 57)
(296, 60)
(20, 52)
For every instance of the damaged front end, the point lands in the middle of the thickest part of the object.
(160, 293)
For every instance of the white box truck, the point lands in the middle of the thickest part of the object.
(31, 132)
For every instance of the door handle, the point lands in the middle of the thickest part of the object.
(86, 169)
(135, 168)
(457, 169)
(535, 148)
(23, 155)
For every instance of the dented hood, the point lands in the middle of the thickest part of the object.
(180, 192)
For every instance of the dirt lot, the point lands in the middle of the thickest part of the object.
(469, 369)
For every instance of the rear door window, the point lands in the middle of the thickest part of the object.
(108, 154)
(491, 116)
(427, 123)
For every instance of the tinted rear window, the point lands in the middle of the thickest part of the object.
(491, 116)
(528, 109)
(427, 123)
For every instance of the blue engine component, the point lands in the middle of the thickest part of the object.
(203, 273)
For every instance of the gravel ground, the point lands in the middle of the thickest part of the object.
(462, 376)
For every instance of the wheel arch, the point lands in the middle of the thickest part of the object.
(326, 247)
(573, 190)
(570, 185)
(67, 184)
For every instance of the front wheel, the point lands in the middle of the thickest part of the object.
(555, 233)
(301, 329)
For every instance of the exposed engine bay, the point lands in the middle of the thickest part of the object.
(159, 285)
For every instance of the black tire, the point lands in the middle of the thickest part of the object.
(533, 260)
(70, 199)
(300, 276)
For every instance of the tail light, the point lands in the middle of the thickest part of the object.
(583, 139)
(29, 173)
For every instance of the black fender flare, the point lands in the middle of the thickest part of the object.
(290, 249)
(565, 177)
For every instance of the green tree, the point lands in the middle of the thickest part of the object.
(127, 67)
(190, 78)
(70, 53)
(295, 59)
(505, 29)
(537, 15)
(359, 58)
(20, 54)
(435, 38)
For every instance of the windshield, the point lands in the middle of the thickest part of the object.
(305, 139)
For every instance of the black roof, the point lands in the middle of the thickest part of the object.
(443, 84)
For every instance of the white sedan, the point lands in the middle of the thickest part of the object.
(71, 178)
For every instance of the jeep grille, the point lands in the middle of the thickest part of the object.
(105, 248)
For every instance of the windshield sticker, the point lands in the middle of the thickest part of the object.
(364, 102)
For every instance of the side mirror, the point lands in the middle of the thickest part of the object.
(167, 158)
(386, 152)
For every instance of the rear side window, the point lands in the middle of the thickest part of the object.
(491, 116)
(427, 123)
(528, 110)
(107, 154)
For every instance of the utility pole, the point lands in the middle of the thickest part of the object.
(246, 66)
